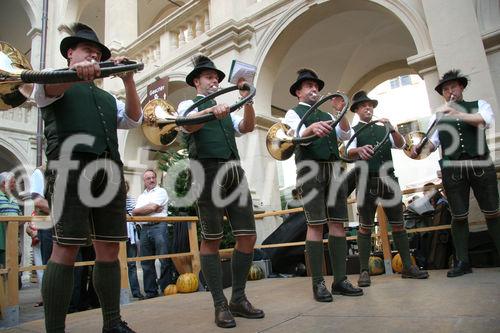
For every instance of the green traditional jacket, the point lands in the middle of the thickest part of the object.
(83, 109)
(471, 139)
(372, 136)
(215, 139)
(322, 149)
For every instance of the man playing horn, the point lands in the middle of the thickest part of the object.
(81, 122)
(375, 182)
(213, 146)
(322, 192)
(465, 164)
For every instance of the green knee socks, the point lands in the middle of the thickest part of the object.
(337, 247)
(314, 250)
(364, 249)
(212, 272)
(106, 278)
(240, 265)
(402, 245)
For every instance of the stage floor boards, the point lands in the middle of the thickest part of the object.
(470, 303)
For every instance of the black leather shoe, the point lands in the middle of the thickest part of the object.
(321, 293)
(121, 327)
(345, 288)
(151, 296)
(364, 279)
(245, 309)
(459, 268)
(139, 296)
(414, 273)
(223, 317)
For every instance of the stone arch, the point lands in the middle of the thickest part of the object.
(276, 43)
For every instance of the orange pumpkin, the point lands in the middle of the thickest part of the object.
(397, 263)
(187, 283)
(255, 272)
(171, 289)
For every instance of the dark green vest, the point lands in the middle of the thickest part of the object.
(84, 109)
(322, 149)
(215, 139)
(372, 136)
(472, 139)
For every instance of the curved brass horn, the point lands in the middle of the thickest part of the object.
(166, 120)
(17, 76)
(158, 123)
(413, 139)
(13, 92)
(281, 145)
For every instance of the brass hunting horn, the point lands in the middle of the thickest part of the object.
(17, 77)
(161, 120)
(281, 145)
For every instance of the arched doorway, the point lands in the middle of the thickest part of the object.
(352, 45)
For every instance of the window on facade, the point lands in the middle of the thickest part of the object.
(395, 83)
(405, 80)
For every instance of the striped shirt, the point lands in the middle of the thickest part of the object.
(131, 230)
(8, 207)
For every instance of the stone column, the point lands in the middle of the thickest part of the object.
(116, 34)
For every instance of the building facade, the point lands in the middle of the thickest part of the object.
(352, 44)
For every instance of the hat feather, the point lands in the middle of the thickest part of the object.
(200, 59)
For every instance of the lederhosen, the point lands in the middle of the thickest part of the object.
(324, 196)
(214, 147)
(376, 185)
(466, 164)
(89, 110)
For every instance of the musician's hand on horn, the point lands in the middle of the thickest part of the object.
(125, 76)
(87, 70)
(338, 103)
(320, 128)
(416, 150)
(220, 110)
(388, 122)
(365, 152)
(244, 92)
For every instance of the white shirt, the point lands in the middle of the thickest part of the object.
(484, 109)
(123, 120)
(158, 196)
(354, 143)
(184, 105)
(37, 183)
(292, 119)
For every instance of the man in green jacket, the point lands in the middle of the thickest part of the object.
(376, 181)
(212, 146)
(85, 183)
(323, 193)
(466, 164)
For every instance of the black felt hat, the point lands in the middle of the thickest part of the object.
(361, 97)
(452, 75)
(202, 63)
(83, 33)
(305, 75)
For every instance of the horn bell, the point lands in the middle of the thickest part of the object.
(13, 92)
(279, 144)
(158, 123)
(412, 139)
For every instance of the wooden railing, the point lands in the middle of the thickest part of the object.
(9, 293)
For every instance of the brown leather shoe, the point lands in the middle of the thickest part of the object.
(245, 309)
(223, 317)
(414, 273)
(364, 279)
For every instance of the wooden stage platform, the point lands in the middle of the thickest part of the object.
(470, 303)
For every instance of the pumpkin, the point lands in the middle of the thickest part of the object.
(397, 263)
(255, 272)
(376, 265)
(171, 289)
(187, 283)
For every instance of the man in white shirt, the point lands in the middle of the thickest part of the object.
(323, 194)
(153, 236)
(466, 163)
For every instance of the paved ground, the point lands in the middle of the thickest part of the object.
(470, 303)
